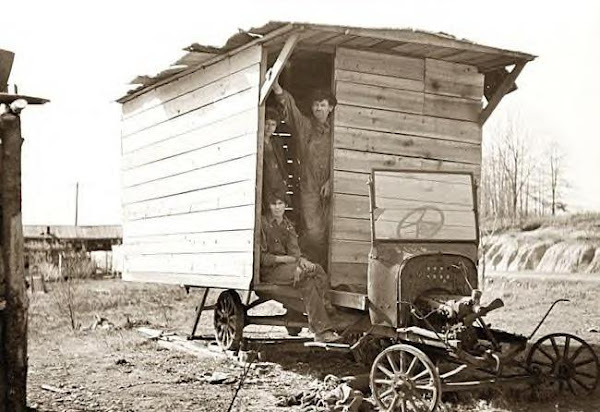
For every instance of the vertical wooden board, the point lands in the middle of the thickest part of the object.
(406, 145)
(214, 154)
(406, 123)
(379, 80)
(356, 161)
(379, 63)
(196, 119)
(225, 196)
(379, 97)
(452, 107)
(235, 125)
(453, 79)
(258, 173)
(205, 74)
(227, 86)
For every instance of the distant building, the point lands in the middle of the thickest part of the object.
(49, 244)
(87, 238)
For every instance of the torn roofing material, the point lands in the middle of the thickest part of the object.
(407, 42)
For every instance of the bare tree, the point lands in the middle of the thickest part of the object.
(555, 160)
(507, 170)
(520, 177)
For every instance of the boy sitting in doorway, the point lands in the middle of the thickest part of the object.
(282, 264)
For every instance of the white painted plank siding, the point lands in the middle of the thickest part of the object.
(189, 158)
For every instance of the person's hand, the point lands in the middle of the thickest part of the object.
(325, 190)
(277, 89)
(307, 265)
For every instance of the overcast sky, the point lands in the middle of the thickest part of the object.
(81, 55)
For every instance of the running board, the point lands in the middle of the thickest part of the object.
(336, 347)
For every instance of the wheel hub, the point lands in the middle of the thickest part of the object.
(403, 386)
(564, 369)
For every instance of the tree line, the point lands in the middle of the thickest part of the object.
(521, 176)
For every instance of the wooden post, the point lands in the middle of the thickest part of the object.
(14, 338)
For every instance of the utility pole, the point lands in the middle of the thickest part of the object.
(76, 202)
(13, 295)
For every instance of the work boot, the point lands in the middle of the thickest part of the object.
(327, 336)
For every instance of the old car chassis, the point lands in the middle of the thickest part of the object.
(423, 309)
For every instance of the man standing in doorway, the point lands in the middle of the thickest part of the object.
(313, 136)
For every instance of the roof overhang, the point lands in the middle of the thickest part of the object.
(490, 61)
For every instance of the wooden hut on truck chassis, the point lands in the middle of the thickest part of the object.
(192, 141)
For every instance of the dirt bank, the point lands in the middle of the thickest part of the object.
(565, 245)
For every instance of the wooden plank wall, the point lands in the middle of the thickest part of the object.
(189, 155)
(394, 112)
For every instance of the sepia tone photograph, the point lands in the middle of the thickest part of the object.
(311, 206)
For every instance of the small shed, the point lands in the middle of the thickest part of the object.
(192, 139)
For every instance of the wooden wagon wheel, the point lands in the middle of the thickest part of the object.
(566, 362)
(229, 320)
(404, 379)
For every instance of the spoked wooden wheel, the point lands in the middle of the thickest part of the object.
(564, 362)
(404, 379)
(229, 320)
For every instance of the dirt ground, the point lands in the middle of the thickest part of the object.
(108, 365)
